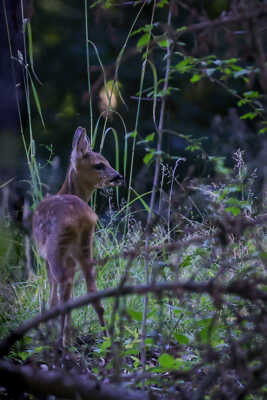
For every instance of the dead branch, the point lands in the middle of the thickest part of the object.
(226, 20)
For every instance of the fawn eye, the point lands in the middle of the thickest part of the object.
(99, 166)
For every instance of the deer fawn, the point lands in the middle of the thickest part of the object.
(64, 225)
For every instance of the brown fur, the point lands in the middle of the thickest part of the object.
(64, 226)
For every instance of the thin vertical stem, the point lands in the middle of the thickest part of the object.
(160, 126)
(153, 195)
(138, 111)
(170, 197)
(26, 81)
(136, 125)
(30, 151)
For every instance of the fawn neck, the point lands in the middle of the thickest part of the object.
(73, 185)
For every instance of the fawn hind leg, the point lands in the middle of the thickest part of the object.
(65, 294)
(89, 275)
(89, 272)
(65, 290)
(62, 269)
(53, 298)
(61, 274)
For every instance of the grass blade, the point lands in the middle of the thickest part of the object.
(37, 101)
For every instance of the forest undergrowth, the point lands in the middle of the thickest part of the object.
(207, 334)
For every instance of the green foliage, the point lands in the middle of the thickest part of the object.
(218, 71)
(181, 338)
(135, 315)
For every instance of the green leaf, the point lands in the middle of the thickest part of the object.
(131, 134)
(30, 43)
(105, 345)
(143, 41)
(163, 43)
(186, 261)
(241, 102)
(23, 355)
(150, 137)
(132, 351)
(249, 115)
(195, 78)
(155, 369)
(136, 361)
(204, 322)
(181, 29)
(185, 65)
(135, 315)
(227, 71)
(231, 61)
(37, 102)
(236, 68)
(38, 349)
(252, 94)
(182, 339)
(146, 28)
(242, 204)
(193, 147)
(147, 139)
(148, 157)
(180, 363)
(166, 361)
(233, 210)
(162, 3)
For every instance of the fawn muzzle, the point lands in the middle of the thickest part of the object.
(116, 180)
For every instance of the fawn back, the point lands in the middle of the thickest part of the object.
(64, 225)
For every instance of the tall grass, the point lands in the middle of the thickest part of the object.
(30, 82)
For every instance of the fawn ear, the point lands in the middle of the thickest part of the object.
(81, 142)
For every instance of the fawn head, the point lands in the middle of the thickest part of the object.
(93, 169)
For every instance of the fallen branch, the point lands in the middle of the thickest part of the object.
(64, 385)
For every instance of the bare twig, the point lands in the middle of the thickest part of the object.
(226, 20)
